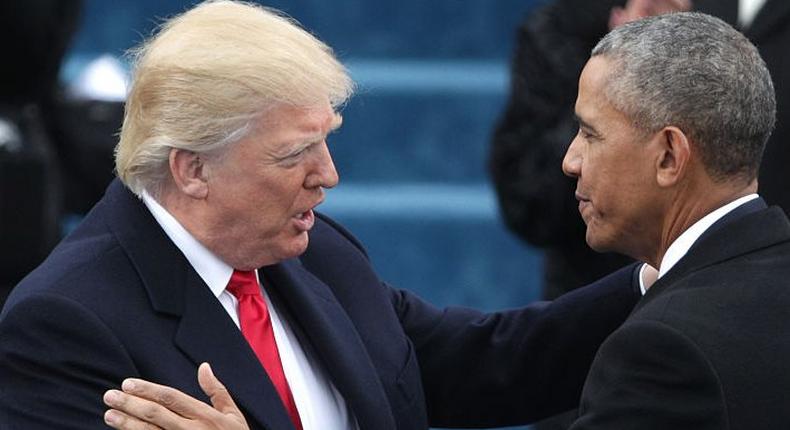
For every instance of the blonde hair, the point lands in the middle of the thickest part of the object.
(207, 74)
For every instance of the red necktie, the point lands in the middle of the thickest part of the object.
(256, 326)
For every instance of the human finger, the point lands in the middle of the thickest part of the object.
(137, 411)
(216, 391)
(167, 397)
(131, 413)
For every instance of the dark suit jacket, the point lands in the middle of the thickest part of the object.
(118, 299)
(707, 347)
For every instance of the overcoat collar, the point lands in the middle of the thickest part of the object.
(748, 227)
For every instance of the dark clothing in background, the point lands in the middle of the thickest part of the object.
(57, 158)
(34, 35)
(770, 32)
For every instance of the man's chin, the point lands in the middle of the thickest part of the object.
(598, 244)
(296, 246)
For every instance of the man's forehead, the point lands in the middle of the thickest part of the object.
(596, 73)
(308, 119)
(592, 85)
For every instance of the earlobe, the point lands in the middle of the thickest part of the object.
(675, 152)
(189, 173)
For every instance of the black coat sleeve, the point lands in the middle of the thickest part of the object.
(649, 376)
(64, 356)
(516, 366)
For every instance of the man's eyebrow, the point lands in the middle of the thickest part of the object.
(337, 121)
(584, 124)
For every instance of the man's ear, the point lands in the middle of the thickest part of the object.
(189, 173)
(674, 157)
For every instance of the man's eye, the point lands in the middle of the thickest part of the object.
(585, 134)
(297, 153)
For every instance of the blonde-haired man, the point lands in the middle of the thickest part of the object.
(222, 160)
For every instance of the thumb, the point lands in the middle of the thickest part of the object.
(217, 393)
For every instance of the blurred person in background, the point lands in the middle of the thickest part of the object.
(536, 199)
(55, 146)
(34, 36)
(208, 249)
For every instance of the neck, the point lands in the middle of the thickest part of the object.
(186, 211)
(689, 206)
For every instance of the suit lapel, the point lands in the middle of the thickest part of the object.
(205, 332)
(335, 340)
(745, 229)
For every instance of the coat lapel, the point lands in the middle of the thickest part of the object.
(742, 231)
(205, 332)
(335, 340)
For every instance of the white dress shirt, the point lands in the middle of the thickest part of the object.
(747, 10)
(680, 247)
(682, 244)
(320, 405)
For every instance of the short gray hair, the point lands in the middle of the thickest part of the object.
(695, 72)
(208, 74)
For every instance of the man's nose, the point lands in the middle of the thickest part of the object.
(324, 174)
(572, 162)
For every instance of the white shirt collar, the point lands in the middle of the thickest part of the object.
(683, 243)
(214, 272)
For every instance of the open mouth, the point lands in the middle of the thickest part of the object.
(305, 220)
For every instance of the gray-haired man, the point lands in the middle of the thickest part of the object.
(673, 114)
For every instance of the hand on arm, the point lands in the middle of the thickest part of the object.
(145, 405)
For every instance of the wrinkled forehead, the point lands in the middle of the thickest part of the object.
(319, 118)
(286, 127)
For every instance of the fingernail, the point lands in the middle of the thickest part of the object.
(112, 397)
(112, 418)
(128, 385)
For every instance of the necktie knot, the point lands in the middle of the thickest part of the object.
(243, 283)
